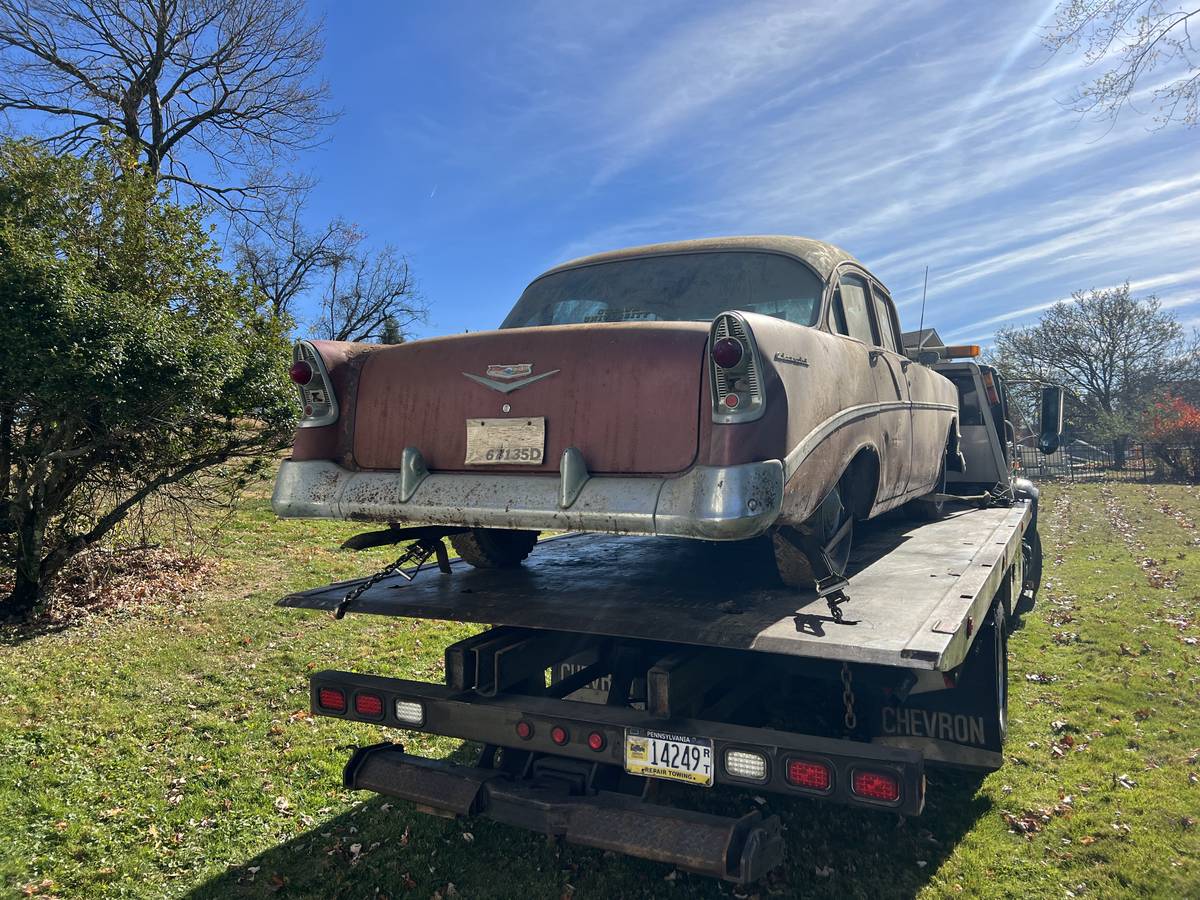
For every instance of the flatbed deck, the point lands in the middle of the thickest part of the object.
(916, 591)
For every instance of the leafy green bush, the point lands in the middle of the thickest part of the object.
(132, 362)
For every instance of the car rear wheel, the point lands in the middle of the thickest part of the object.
(930, 508)
(494, 548)
(832, 527)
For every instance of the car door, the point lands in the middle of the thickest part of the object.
(853, 310)
(903, 421)
(851, 316)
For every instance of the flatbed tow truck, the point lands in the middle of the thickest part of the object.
(612, 664)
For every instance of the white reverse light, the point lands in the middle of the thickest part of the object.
(410, 711)
(744, 764)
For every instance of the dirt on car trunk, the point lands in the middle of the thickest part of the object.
(626, 394)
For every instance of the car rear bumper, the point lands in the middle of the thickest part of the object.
(723, 503)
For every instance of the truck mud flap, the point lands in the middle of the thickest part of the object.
(739, 850)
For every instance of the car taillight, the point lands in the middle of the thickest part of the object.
(300, 372)
(734, 370)
(332, 699)
(317, 397)
(368, 705)
(727, 352)
(596, 741)
(805, 773)
(882, 786)
(559, 735)
(524, 730)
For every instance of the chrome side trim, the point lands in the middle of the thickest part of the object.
(711, 502)
(844, 417)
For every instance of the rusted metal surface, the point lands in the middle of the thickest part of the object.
(626, 395)
(904, 580)
(715, 503)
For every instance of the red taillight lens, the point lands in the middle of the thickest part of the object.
(596, 741)
(732, 400)
(331, 698)
(804, 773)
(300, 372)
(559, 735)
(876, 786)
(524, 730)
(727, 352)
(368, 705)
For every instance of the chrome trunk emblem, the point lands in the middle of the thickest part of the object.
(511, 370)
(514, 370)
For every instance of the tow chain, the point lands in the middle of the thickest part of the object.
(418, 552)
(850, 720)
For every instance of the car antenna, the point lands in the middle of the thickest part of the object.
(921, 327)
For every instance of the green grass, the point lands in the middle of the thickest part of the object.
(169, 753)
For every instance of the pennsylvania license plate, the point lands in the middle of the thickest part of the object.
(518, 442)
(675, 757)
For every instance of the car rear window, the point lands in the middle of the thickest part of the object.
(678, 287)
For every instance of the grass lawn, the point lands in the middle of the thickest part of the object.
(169, 752)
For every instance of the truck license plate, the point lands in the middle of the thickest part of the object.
(675, 757)
(519, 442)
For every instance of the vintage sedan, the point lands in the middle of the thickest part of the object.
(713, 389)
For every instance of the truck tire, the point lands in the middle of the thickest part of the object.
(494, 548)
(793, 565)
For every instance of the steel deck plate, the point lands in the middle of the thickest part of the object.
(916, 591)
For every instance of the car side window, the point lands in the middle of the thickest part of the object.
(884, 318)
(853, 292)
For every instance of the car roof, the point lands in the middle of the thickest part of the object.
(823, 258)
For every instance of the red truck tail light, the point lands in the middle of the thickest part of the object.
(809, 774)
(734, 370)
(317, 398)
(332, 699)
(881, 786)
(370, 705)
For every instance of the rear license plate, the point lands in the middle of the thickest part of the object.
(675, 757)
(517, 442)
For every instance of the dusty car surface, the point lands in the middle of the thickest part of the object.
(714, 389)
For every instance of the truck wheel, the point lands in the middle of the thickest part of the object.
(794, 567)
(494, 548)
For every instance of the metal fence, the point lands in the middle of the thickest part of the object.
(1080, 461)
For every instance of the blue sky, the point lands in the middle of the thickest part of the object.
(491, 141)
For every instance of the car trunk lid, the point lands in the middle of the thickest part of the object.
(627, 395)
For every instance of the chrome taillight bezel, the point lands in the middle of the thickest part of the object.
(748, 371)
(318, 395)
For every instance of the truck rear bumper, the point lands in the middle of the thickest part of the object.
(708, 502)
(740, 850)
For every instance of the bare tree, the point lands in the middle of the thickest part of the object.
(213, 93)
(367, 290)
(283, 260)
(1113, 352)
(1127, 41)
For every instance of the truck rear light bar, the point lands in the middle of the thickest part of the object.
(784, 762)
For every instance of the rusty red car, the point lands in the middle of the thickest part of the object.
(718, 389)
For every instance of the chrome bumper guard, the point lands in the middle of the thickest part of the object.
(722, 503)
